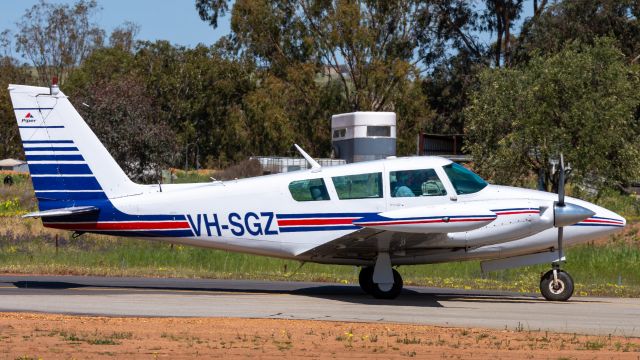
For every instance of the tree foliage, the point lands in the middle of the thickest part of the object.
(57, 37)
(11, 72)
(582, 102)
(564, 22)
(141, 144)
(376, 52)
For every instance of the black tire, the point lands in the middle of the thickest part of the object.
(366, 279)
(393, 293)
(564, 290)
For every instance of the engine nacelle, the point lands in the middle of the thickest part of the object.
(451, 218)
(516, 219)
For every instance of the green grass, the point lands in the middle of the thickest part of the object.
(182, 177)
(17, 199)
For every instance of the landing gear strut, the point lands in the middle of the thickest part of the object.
(380, 291)
(556, 284)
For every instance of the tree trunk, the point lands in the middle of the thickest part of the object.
(499, 41)
(507, 34)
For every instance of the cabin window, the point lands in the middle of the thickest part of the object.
(463, 179)
(379, 131)
(410, 183)
(362, 186)
(309, 190)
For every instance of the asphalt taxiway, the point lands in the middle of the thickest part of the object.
(315, 301)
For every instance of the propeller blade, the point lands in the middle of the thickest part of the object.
(561, 182)
(560, 204)
(560, 236)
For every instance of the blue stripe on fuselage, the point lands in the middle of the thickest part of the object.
(148, 233)
(323, 215)
(318, 228)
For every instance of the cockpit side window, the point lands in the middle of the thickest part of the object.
(464, 180)
(361, 186)
(309, 190)
(410, 183)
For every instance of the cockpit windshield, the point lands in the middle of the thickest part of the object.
(463, 179)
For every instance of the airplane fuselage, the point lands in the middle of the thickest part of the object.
(260, 216)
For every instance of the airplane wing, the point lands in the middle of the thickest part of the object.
(367, 242)
(405, 232)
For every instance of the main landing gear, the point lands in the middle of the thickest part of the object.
(381, 280)
(380, 291)
(556, 284)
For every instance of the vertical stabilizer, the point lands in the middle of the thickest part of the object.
(69, 166)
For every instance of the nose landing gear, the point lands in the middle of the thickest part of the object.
(556, 285)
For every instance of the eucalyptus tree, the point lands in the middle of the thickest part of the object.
(55, 38)
(582, 101)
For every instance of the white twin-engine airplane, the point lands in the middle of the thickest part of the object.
(377, 215)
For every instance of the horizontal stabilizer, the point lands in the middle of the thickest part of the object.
(62, 212)
(431, 219)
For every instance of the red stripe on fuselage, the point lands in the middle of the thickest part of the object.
(599, 221)
(430, 221)
(147, 225)
(518, 212)
(301, 222)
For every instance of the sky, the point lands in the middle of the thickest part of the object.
(174, 20)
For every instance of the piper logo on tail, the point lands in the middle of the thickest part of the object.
(28, 118)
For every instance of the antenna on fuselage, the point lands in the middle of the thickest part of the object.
(315, 167)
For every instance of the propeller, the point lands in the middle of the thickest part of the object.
(561, 183)
(560, 204)
(566, 214)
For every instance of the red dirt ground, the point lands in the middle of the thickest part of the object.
(43, 336)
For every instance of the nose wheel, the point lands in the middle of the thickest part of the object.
(556, 285)
(380, 291)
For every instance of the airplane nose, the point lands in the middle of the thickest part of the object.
(569, 214)
(606, 218)
(614, 220)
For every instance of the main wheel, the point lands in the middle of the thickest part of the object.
(390, 293)
(561, 291)
(366, 279)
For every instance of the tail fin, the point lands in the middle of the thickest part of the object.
(69, 166)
